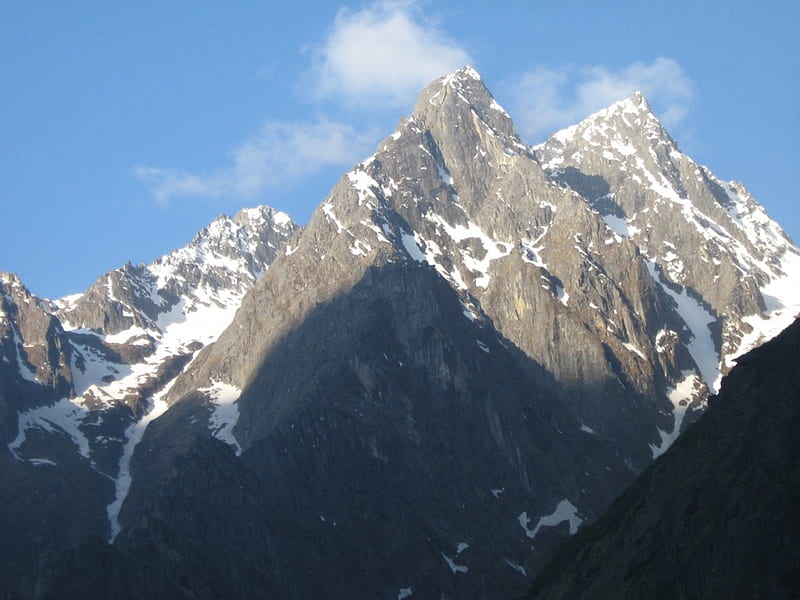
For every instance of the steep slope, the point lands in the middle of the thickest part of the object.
(34, 353)
(81, 377)
(708, 243)
(716, 516)
(405, 461)
(454, 188)
(342, 379)
(43, 509)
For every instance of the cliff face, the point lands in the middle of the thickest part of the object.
(716, 516)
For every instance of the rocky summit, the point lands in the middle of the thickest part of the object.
(468, 352)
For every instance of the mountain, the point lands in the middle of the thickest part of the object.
(468, 352)
(701, 234)
(716, 516)
(80, 378)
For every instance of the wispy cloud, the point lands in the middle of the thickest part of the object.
(280, 154)
(383, 54)
(545, 99)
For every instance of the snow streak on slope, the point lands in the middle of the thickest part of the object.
(680, 397)
(63, 416)
(697, 319)
(180, 329)
(133, 435)
(225, 414)
(782, 300)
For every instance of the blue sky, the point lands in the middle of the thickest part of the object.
(127, 127)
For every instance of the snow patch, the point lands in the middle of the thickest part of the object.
(468, 311)
(444, 174)
(565, 511)
(492, 249)
(327, 210)
(363, 184)
(494, 105)
(634, 349)
(455, 568)
(24, 369)
(62, 416)
(698, 320)
(622, 227)
(562, 295)
(680, 396)
(225, 414)
(530, 254)
(412, 248)
(518, 568)
(212, 313)
(782, 301)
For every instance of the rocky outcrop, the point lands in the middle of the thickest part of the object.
(35, 356)
(716, 516)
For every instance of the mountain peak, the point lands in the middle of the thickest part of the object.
(635, 102)
(458, 97)
(625, 125)
(260, 214)
(465, 72)
(466, 82)
(635, 106)
(9, 278)
(12, 283)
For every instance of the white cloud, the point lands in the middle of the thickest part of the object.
(544, 99)
(383, 54)
(279, 154)
(380, 56)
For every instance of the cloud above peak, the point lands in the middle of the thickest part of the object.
(545, 99)
(279, 154)
(382, 55)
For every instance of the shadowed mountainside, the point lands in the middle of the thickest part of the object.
(715, 517)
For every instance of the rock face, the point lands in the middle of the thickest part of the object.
(716, 516)
(414, 453)
(468, 352)
(35, 356)
(698, 232)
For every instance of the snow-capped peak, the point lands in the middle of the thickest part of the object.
(465, 72)
(619, 126)
(636, 102)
